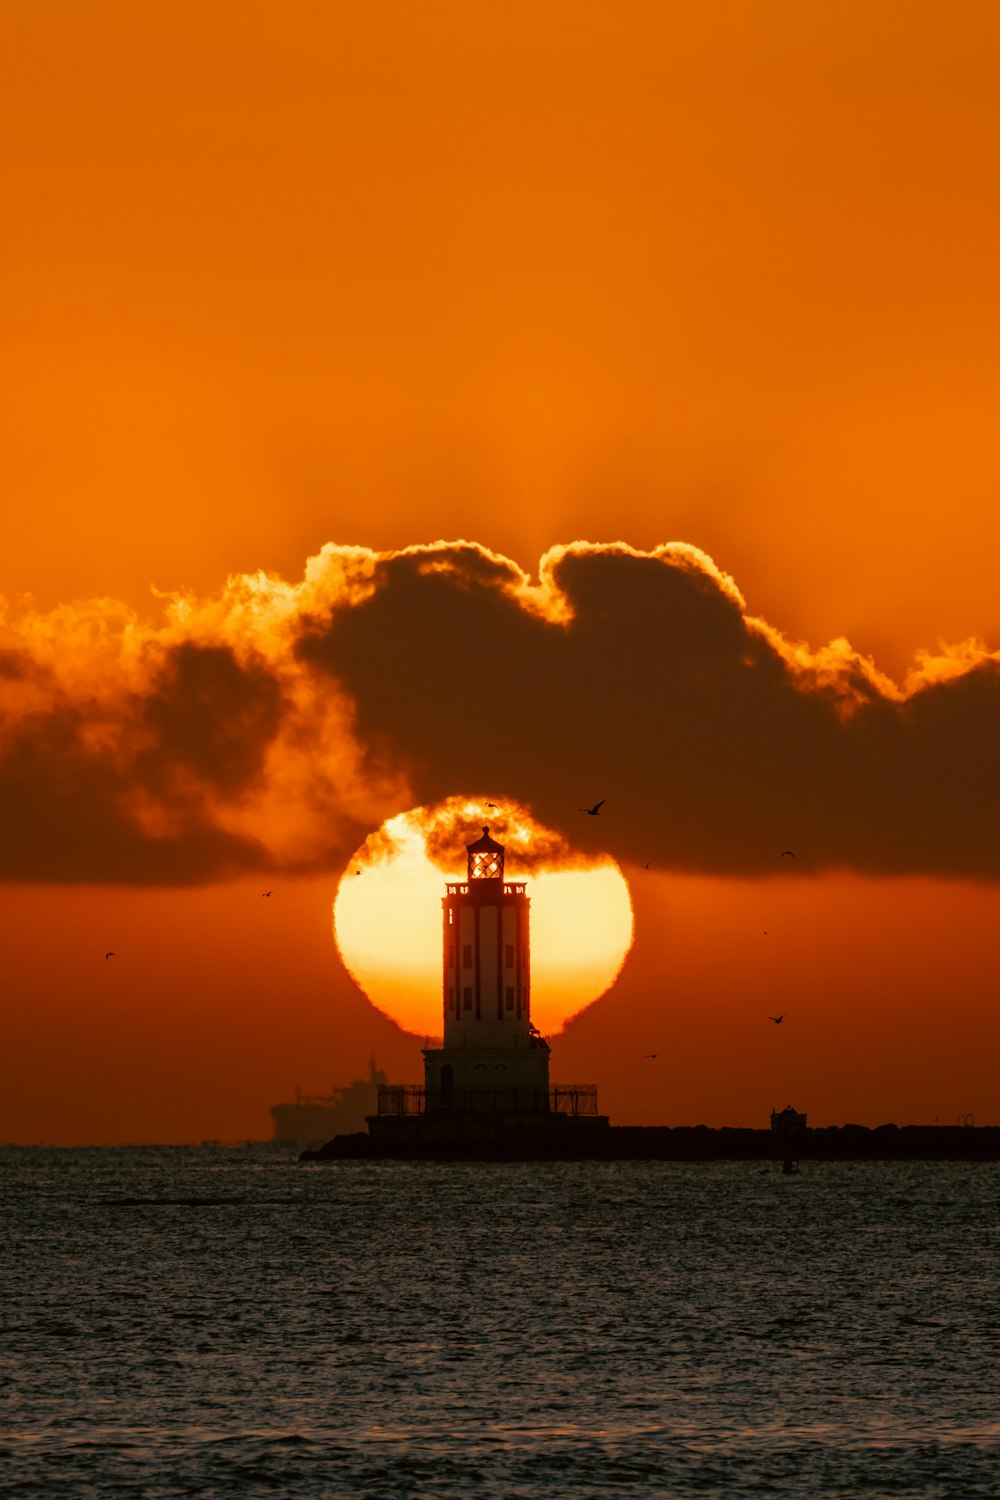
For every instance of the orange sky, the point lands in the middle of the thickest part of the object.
(273, 277)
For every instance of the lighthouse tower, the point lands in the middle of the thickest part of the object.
(486, 1090)
(493, 1058)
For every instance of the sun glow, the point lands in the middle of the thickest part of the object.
(387, 912)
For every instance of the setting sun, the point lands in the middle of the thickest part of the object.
(387, 912)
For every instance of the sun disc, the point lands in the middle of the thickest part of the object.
(387, 912)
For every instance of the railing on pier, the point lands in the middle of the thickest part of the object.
(576, 1099)
(401, 1099)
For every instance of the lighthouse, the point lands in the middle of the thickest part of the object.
(493, 1057)
(486, 1089)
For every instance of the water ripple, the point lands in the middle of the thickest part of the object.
(222, 1323)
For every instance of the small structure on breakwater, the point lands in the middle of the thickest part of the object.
(789, 1126)
(788, 1123)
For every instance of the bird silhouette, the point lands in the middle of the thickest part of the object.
(491, 804)
(647, 864)
(788, 853)
(593, 812)
(776, 1019)
(109, 955)
(265, 893)
(651, 1054)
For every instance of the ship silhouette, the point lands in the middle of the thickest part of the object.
(316, 1117)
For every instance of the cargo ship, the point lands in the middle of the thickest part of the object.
(315, 1118)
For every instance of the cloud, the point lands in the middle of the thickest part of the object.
(447, 828)
(122, 789)
(643, 681)
(275, 727)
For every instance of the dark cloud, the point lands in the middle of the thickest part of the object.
(714, 747)
(13, 665)
(207, 716)
(92, 792)
(449, 827)
(275, 727)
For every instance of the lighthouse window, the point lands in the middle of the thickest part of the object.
(510, 997)
(467, 955)
(467, 998)
(509, 955)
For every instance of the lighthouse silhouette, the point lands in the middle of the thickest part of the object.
(493, 1057)
(486, 1090)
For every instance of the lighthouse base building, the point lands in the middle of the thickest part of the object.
(487, 1088)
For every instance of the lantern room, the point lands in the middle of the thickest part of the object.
(485, 858)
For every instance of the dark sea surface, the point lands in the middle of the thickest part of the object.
(226, 1322)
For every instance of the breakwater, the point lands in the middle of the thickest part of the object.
(680, 1143)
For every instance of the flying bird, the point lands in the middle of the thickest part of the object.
(491, 804)
(776, 1019)
(265, 893)
(788, 854)
(650, 1054)
(593, 812)
(109, 955)
(647, 864)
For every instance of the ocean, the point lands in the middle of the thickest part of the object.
(224, 1321)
